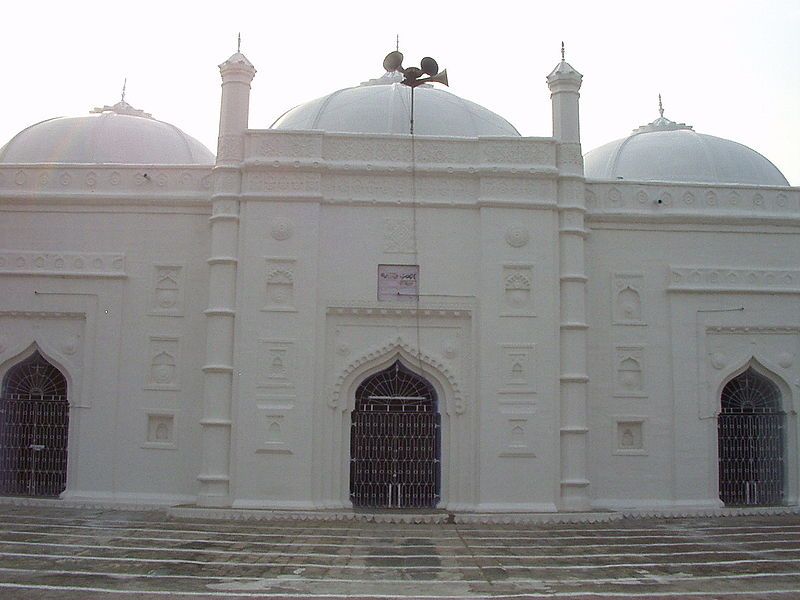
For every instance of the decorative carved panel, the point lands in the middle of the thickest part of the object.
(163, 373)
(517, 368)
(277, 359)
(629, 436)
(280, 281)
(517, 432)
(273, 425)
(160, 432)
(627, 290)
(518, 300)
(398, 236)
(629, 372)
(167, 296)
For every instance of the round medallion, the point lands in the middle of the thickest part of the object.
(785, 359)
(70, 345)
(719, 360)
(281, 229)
(517, 236)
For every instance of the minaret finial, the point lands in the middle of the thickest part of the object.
(660, 107)
(562, 50)
(239, 42)
(124, 85)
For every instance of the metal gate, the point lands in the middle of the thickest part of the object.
(34, 420)
(751, 442)
(395, 442)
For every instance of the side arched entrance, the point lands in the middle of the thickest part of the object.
(752, 447)
(395, 441)
(34, 422)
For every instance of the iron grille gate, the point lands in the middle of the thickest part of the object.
(751, 442)
(34, 419)
(395, 442)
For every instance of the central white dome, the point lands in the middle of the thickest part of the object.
(383, 105)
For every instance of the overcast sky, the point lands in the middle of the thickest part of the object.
(729, 68)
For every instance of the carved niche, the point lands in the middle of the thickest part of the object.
(278, 364)
(273, 424)
(629, 436)
(518, 435)
(517, 366)
(160, 433)
(626, 289)
(163, 372)
(629, 372)
(167, 297)
(517, 291)
(280, 285)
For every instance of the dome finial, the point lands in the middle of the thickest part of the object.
(660, 107)
(562, 51)
(397, 43)
(124, 85)
(239, 43)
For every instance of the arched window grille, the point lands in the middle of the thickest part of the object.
(395, 441)
(34, 423)
(751, 441)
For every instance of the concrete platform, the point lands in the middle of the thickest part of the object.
(53, 552)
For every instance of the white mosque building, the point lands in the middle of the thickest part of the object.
(332, 314)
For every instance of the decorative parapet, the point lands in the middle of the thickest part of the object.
(669, 201)
(379, 169)
(62, 264)
(392, 153)
(103, 182)
(720, 279)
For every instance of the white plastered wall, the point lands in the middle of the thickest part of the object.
(717, 286)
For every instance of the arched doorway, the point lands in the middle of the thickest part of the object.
(395, 442)
(750, 428)
(34, 420)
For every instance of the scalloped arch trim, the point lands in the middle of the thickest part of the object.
(398, 345)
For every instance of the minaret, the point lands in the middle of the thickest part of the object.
(237, 73)
(564, 82)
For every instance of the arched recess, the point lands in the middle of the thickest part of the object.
(753, 438)
(459, 478)
(34, 426)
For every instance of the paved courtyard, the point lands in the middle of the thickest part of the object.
(49, 553)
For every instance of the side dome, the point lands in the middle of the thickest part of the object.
(383, 105)
(668, 151)
(118, 134)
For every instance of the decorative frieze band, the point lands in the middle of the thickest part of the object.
(694, 279)
(665, 198)
(433, 310)
(63, 264)
(112, 181)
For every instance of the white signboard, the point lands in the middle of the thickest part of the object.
(398, 282)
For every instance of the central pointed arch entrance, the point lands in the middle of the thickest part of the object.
(395, 441)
